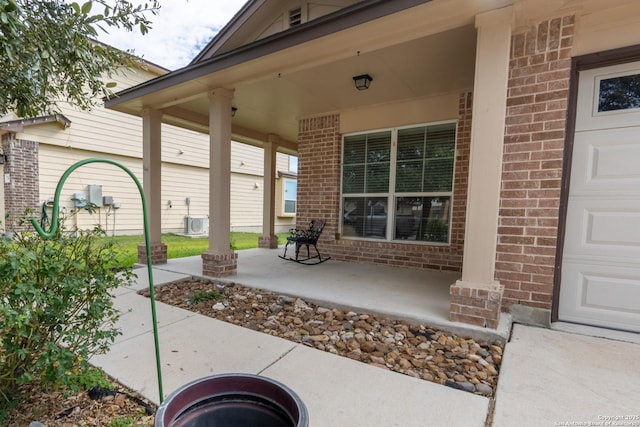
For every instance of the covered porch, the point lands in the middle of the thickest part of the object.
(415, 295)
(293, 92)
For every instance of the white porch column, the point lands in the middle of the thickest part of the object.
(152, 184)
(219, 260)
(485, 170)
(269, 239)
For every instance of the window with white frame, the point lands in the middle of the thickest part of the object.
(397, 184)
(290, 196)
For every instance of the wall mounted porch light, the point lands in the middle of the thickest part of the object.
(363, 81)
(234, 110)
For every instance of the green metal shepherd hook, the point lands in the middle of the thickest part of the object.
(54, 227)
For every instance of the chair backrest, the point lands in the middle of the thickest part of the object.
(315, 229)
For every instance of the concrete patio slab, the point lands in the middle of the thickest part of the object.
(416, 295)
(552, 378)
(341, 392)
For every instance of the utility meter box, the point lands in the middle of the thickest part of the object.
(79, 200)
(107, 200)
(95, 194)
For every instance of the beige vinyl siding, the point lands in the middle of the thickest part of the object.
(178, 183)
(100, 130)
(185, 173)
(54, 161)
(282, 162)
(185, 147)
(108, 131)
(247, 159)
(120, 134)
(247, 169)
(246, 202)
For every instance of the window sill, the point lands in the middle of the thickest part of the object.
(381, 240)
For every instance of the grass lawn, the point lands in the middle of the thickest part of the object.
(183, 246)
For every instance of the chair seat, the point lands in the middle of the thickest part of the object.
(306, 237)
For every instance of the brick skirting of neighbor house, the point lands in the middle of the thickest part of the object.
(158, 253)
(268, 242)
(21, 180)
(219, 265)
(476, 304)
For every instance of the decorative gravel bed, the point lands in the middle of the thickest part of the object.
(411, 349)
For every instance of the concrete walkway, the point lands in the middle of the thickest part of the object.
(547, 377)
(552, 378)
(337, 391)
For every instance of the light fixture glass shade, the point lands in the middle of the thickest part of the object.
(363, 81)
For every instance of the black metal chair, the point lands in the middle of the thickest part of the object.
(306, 237)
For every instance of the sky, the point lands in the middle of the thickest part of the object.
(179, 31)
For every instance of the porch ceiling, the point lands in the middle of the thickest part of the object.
(274, 91)
(419, 68)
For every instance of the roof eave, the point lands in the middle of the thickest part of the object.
(348, 17)
(227, 31)
(19, 124)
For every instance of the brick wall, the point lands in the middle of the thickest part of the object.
(22, 190)
(319, 197)
(319, 173)
(539, 73)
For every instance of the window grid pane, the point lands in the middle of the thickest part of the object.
(434, 147)
(424, 165)
(290, 196)
(290, 206)
(424, 219)
(619, 93)
(367, 160)
(365, 217)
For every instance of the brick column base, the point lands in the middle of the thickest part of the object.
(476, 304)
(158, 253)
(268, 242)
(219, 265)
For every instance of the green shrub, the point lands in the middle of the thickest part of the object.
(204, 296)
(86, 379)
(57, 308)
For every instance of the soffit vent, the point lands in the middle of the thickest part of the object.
(295, 17)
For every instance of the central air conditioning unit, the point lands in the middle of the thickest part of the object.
(196, 225)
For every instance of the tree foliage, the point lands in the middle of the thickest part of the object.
(49, 53)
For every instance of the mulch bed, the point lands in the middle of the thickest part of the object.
(96, 407)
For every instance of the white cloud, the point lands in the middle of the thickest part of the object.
(179, 31)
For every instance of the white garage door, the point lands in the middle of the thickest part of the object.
(601, 262)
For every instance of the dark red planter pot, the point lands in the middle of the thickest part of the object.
(233, 400)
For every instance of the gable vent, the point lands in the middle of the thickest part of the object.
(295, 17)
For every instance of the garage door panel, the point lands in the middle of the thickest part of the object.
(606, 161)
(603, 296)
(600, 282)
(604, 227)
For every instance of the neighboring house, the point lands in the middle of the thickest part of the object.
(496, 138)
(37, 151)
